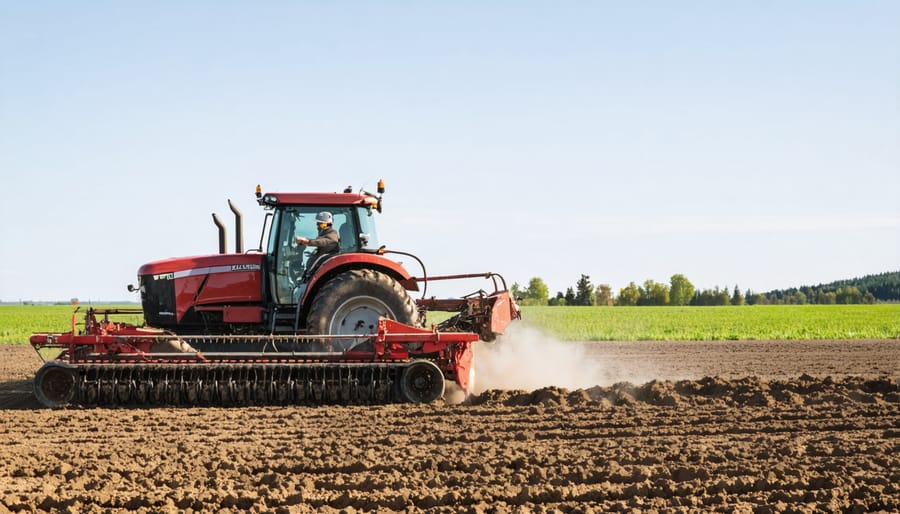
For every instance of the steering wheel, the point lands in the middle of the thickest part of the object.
(295, 266)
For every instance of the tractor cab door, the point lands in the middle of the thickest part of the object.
(288, 259)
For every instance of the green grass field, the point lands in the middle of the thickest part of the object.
(718, 323)
(18, 322)
(603, 323)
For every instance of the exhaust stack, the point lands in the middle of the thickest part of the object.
(223, 245)
(238, 228)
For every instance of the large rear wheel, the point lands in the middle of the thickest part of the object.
(351, 303)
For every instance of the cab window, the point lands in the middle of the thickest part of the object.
(291, 258)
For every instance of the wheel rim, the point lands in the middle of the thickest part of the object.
(358, 316)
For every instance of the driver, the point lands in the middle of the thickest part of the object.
(326, 243)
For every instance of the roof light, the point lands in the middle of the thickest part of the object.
(258, 191)
(380, 186)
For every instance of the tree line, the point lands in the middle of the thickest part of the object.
(883, 287)
(679, 291)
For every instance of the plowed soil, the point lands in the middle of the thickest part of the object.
(757, 427)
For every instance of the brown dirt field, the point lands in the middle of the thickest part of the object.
(780, 427)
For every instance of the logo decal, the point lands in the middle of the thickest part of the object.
(164, 276)
(245, 267)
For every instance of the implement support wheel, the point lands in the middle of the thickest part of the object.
(422, 382)
(54, 384)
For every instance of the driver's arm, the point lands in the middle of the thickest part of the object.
(325, 242)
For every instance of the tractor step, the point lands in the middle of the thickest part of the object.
(283, 320)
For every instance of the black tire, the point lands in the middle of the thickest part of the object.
(55, 384)
(351, 303)
(422, 382)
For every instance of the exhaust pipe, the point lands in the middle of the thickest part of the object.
(238, 228)
(223, 245)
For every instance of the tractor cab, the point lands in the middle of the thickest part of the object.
(294, 215)
(290, 262)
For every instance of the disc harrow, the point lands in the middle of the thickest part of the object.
(238, 384)
(121, 365)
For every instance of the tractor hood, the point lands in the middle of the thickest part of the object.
(203, 264)
(176, 291)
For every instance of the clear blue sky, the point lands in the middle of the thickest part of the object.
(750, 143)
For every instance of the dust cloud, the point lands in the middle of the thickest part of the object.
(524, 358)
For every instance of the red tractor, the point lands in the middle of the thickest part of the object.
(271, 326)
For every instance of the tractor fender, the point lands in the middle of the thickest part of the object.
(347, 261)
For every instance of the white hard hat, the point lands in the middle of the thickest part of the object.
(324, 217)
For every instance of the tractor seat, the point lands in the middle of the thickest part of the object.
(348, 239)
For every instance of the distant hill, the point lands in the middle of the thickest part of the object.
(883, 287)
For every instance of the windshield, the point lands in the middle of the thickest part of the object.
(291, 259)
(367, 234)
